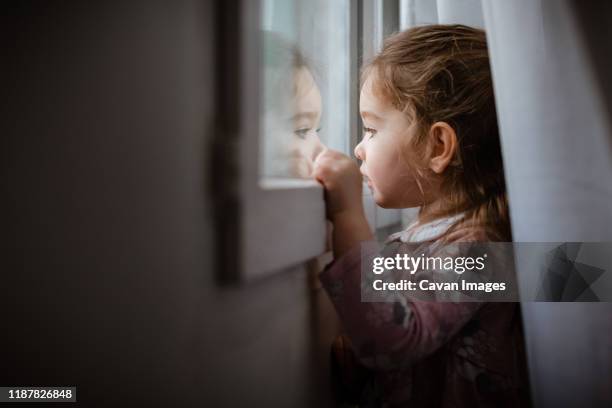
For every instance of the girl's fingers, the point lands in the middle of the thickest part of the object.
(320, 148)
(320, 154)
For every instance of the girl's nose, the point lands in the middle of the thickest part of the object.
(359, 152)
(317, 150)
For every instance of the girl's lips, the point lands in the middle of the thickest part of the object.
(366, 179)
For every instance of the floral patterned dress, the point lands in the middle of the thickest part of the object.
(425, 353)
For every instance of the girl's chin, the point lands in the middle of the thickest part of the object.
(386, 202)
(380, 199)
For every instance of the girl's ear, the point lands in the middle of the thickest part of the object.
(444, 145)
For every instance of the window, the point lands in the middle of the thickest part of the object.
(305, 95)
(292, 66)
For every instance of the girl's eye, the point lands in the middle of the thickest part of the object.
(371, 131)
(301, 133)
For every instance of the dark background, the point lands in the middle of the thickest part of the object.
(107, 267)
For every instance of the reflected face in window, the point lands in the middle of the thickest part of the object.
(292, 110)
(291, 122)
(305, 144)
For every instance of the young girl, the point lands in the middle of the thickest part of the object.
(430, 140)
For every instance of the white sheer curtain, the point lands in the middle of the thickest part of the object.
(558, 169)
(420, 12)
(558, 162)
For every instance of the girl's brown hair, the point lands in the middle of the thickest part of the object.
(441, 73)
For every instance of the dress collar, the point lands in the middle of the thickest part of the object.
(425, 232)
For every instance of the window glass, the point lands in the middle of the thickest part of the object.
(305, 93)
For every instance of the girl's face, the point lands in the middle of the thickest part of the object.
(385, 153)
(291, 141)
(305, 143)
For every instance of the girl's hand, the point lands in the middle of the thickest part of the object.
(343, 183)
(342, 180)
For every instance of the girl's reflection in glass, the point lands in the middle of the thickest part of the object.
(292, 113)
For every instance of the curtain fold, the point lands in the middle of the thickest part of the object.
(554, 130)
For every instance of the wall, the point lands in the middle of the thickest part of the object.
(107, 274)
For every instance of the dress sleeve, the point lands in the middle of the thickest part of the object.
(394, 333)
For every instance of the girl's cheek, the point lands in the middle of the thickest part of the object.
(379, 177)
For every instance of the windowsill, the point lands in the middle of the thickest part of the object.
(280, 183)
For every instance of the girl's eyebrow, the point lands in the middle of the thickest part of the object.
(305, 115)
(370, 115)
